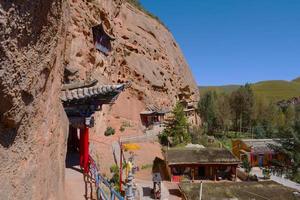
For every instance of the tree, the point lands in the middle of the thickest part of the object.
(177, 126)
(223, 112)
(266, 117)
(241, 102)
(246, 165)
(259, 131)
(207, 109)
(290, 115)
(290, 147)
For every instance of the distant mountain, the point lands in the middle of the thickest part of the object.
(275, 90)
(297, 79)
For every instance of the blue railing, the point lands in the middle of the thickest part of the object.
(100, 180)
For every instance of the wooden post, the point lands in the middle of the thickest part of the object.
(121, 166)
(235, 173)
(86, 150)
(200, 195)
(215, 174)
(193, 173)
(81, 149)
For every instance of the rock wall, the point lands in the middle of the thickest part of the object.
(144, 52)
(44, 43)
(33, 123)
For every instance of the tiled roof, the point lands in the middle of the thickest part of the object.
(152, 109)
(261, 145)
(200, 156)
(90, 92)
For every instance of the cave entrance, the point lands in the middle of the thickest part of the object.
(102, 39)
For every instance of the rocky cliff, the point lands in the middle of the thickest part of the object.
(47, 43)
(143, 52)
(33, 126)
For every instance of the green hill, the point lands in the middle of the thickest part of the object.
(219, 89)
(273, 90)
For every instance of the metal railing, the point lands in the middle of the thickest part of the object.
(101, 182)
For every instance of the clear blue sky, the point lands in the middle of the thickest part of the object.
(235, 41)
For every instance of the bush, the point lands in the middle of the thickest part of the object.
(109, 131)
(115, 176)
(122, 129)
(124, 125)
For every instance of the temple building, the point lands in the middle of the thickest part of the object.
(201, 164)
(81, 101)
(153, 116)
(258, 152)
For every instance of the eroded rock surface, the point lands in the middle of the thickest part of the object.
(44, 43)
(143, 52)
(33, 124)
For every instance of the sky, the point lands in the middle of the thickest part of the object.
(235, 41)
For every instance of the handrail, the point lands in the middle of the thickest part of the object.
(100, 179)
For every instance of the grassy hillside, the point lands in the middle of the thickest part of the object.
(219, 89)
(277, 90)
(274, 90)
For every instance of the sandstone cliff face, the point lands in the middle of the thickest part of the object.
(33, 124)
(46, 43)
(143, 52)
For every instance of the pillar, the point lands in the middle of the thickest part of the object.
(84, 149)
(235, 170)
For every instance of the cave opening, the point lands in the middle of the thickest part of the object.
(102, 39)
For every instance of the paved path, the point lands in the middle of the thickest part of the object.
(144, 189)
(75, 186)
(283, 181)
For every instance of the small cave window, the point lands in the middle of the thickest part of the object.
(102, 40)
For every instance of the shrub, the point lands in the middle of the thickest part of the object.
(122, 129)
(139, 6)
(109, 131)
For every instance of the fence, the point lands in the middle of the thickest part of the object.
(101, 183)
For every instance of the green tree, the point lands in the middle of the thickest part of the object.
(177, 126)
(207, 108)
(266, 117)
(246, 165)
(242, 102)
(290, 115)
(259, 131)
(290, 147)
(223, 112)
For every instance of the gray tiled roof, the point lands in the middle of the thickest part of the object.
(261, 145)
(200, 156)
(90, 92)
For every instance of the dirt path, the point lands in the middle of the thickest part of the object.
(281, 180)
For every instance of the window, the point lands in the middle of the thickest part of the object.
(102, 40)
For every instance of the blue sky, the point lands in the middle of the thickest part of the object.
(235, 41)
